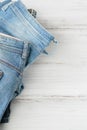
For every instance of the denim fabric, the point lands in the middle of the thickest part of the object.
(13, 57)
(16, 21)
(5, 117)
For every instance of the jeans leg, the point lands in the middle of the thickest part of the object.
(5, 118)
(27, 28)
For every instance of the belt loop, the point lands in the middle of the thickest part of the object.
(25, 50)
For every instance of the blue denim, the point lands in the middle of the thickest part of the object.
(17, 22)
(6, 115)
(13, 57)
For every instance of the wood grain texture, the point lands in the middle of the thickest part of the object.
(68, 14)
(63, 72)
(45, 115)
(55, 94)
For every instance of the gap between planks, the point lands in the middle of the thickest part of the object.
(38, 98)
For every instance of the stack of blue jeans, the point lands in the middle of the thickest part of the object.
(22, 40)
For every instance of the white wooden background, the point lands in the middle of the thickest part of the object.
(55, 94)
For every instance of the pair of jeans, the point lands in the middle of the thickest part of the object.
(13, 57)
(17, 22)
(6, 115)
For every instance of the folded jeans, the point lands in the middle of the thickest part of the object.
(16, 21)
(13, 57)
(6, 115)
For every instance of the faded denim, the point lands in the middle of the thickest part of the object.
(6, 115)
(13, 57)
(17, 22)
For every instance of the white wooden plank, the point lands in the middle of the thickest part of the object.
(60, 14)
(55, 94)
(61, 74)
(62, 115)
(58, 80)
(71, 48)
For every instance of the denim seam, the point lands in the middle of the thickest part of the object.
(46, 33)
(6, 37)
(10, 49)
(16, 11)
(11, 66)
(9, 25)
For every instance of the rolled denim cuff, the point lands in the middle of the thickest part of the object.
(43, 39)
(31, 32)
(35, 51)
(36, 25)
